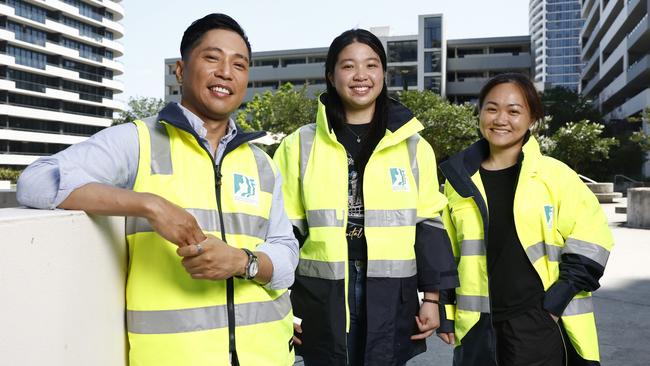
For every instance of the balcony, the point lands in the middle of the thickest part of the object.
(468, 86)
(639, 38)
(289, 72)
(631, 107)
(495, 61)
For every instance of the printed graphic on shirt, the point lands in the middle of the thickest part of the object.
(245, 189)
(355, 201)
(398, 179)
(548, 214)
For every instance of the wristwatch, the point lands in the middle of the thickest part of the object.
(252, 266)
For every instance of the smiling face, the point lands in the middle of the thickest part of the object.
(214, 75)
(358, 77)
(505, 117)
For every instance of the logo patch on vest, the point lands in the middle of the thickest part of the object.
(245, 189)
(398, 179)
(548, 215)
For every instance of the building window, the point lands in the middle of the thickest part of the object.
(33, 82)
(432, 32)
(402, 76)
(293, 61)
(402, 51)
(27, 34)
(37, 125)
(432, 61)
(432, 83)
(27, 58)
(28, 11)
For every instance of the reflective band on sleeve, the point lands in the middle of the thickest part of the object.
(301, 225)
(388, 218)
(392, 268)
(437, 223)
(236, 223)
(579, 306)
(537, 251)
(264, 170)
(307, 135)
(592, 251)
(473, 303)
(321, 269)
(412, 145)
(161, 157)
(323, 218)
(472, 247)
(207, 318)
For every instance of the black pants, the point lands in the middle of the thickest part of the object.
(531, 339)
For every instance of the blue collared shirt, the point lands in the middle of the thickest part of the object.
(111, 157)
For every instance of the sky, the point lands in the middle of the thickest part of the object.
(153, 31)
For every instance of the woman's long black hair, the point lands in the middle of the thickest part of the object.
(334, 106)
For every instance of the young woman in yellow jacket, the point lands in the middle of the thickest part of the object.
(361, 190)
(530, 239)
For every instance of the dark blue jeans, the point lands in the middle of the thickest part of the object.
(356, 339)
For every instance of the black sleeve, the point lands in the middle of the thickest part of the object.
(447, 296)
(577, 273)
(435, 261)
(301, 238)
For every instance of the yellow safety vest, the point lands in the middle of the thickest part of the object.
(173, 319)
(555, 213)
(400, 190)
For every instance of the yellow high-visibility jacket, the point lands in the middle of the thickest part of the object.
(562, 229)
(407, 245)
(173, 319)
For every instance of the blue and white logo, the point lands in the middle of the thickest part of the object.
(398, 179)
(548, 215)
(245, 188)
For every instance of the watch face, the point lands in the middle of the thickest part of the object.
(252, 269)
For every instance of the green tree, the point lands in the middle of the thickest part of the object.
(565, 105)
(579, 144)
(280, 112)
(9, 174)
(140, 107)
(448, 127)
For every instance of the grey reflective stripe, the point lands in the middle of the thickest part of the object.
(307, 135)
(389, 218)
(208, 220)
(473, 303)
(323, 218)
(392, 268)
(592, 251)
(412, 145)
(321, 269)
(207, 318)
(539, 250)
(437, 223)
(472, 247)
(264, 170)
(263, 312)
(579, 306)
(301, 225)
(161, 156)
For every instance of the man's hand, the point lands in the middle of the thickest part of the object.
(427, 320)
(297, 329)
(449, 338)
(213, 260)
(173, 222)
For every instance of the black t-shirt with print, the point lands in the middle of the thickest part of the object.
(352, 138)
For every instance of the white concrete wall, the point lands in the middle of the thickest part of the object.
(62, 284)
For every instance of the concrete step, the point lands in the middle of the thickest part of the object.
(601, 187)
(620, 209)
(608, 197)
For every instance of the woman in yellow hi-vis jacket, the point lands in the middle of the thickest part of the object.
(530, 239)
(360, 188)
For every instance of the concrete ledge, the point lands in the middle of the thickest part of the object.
(62, 276)
(601, 187)
(608, 197)
(638, 207)
(8, 198)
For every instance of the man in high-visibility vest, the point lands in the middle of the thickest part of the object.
(211, 251)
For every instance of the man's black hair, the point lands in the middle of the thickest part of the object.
(198, 28)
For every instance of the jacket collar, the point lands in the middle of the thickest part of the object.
(459, 168)
(401, 125)
(173, 115)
